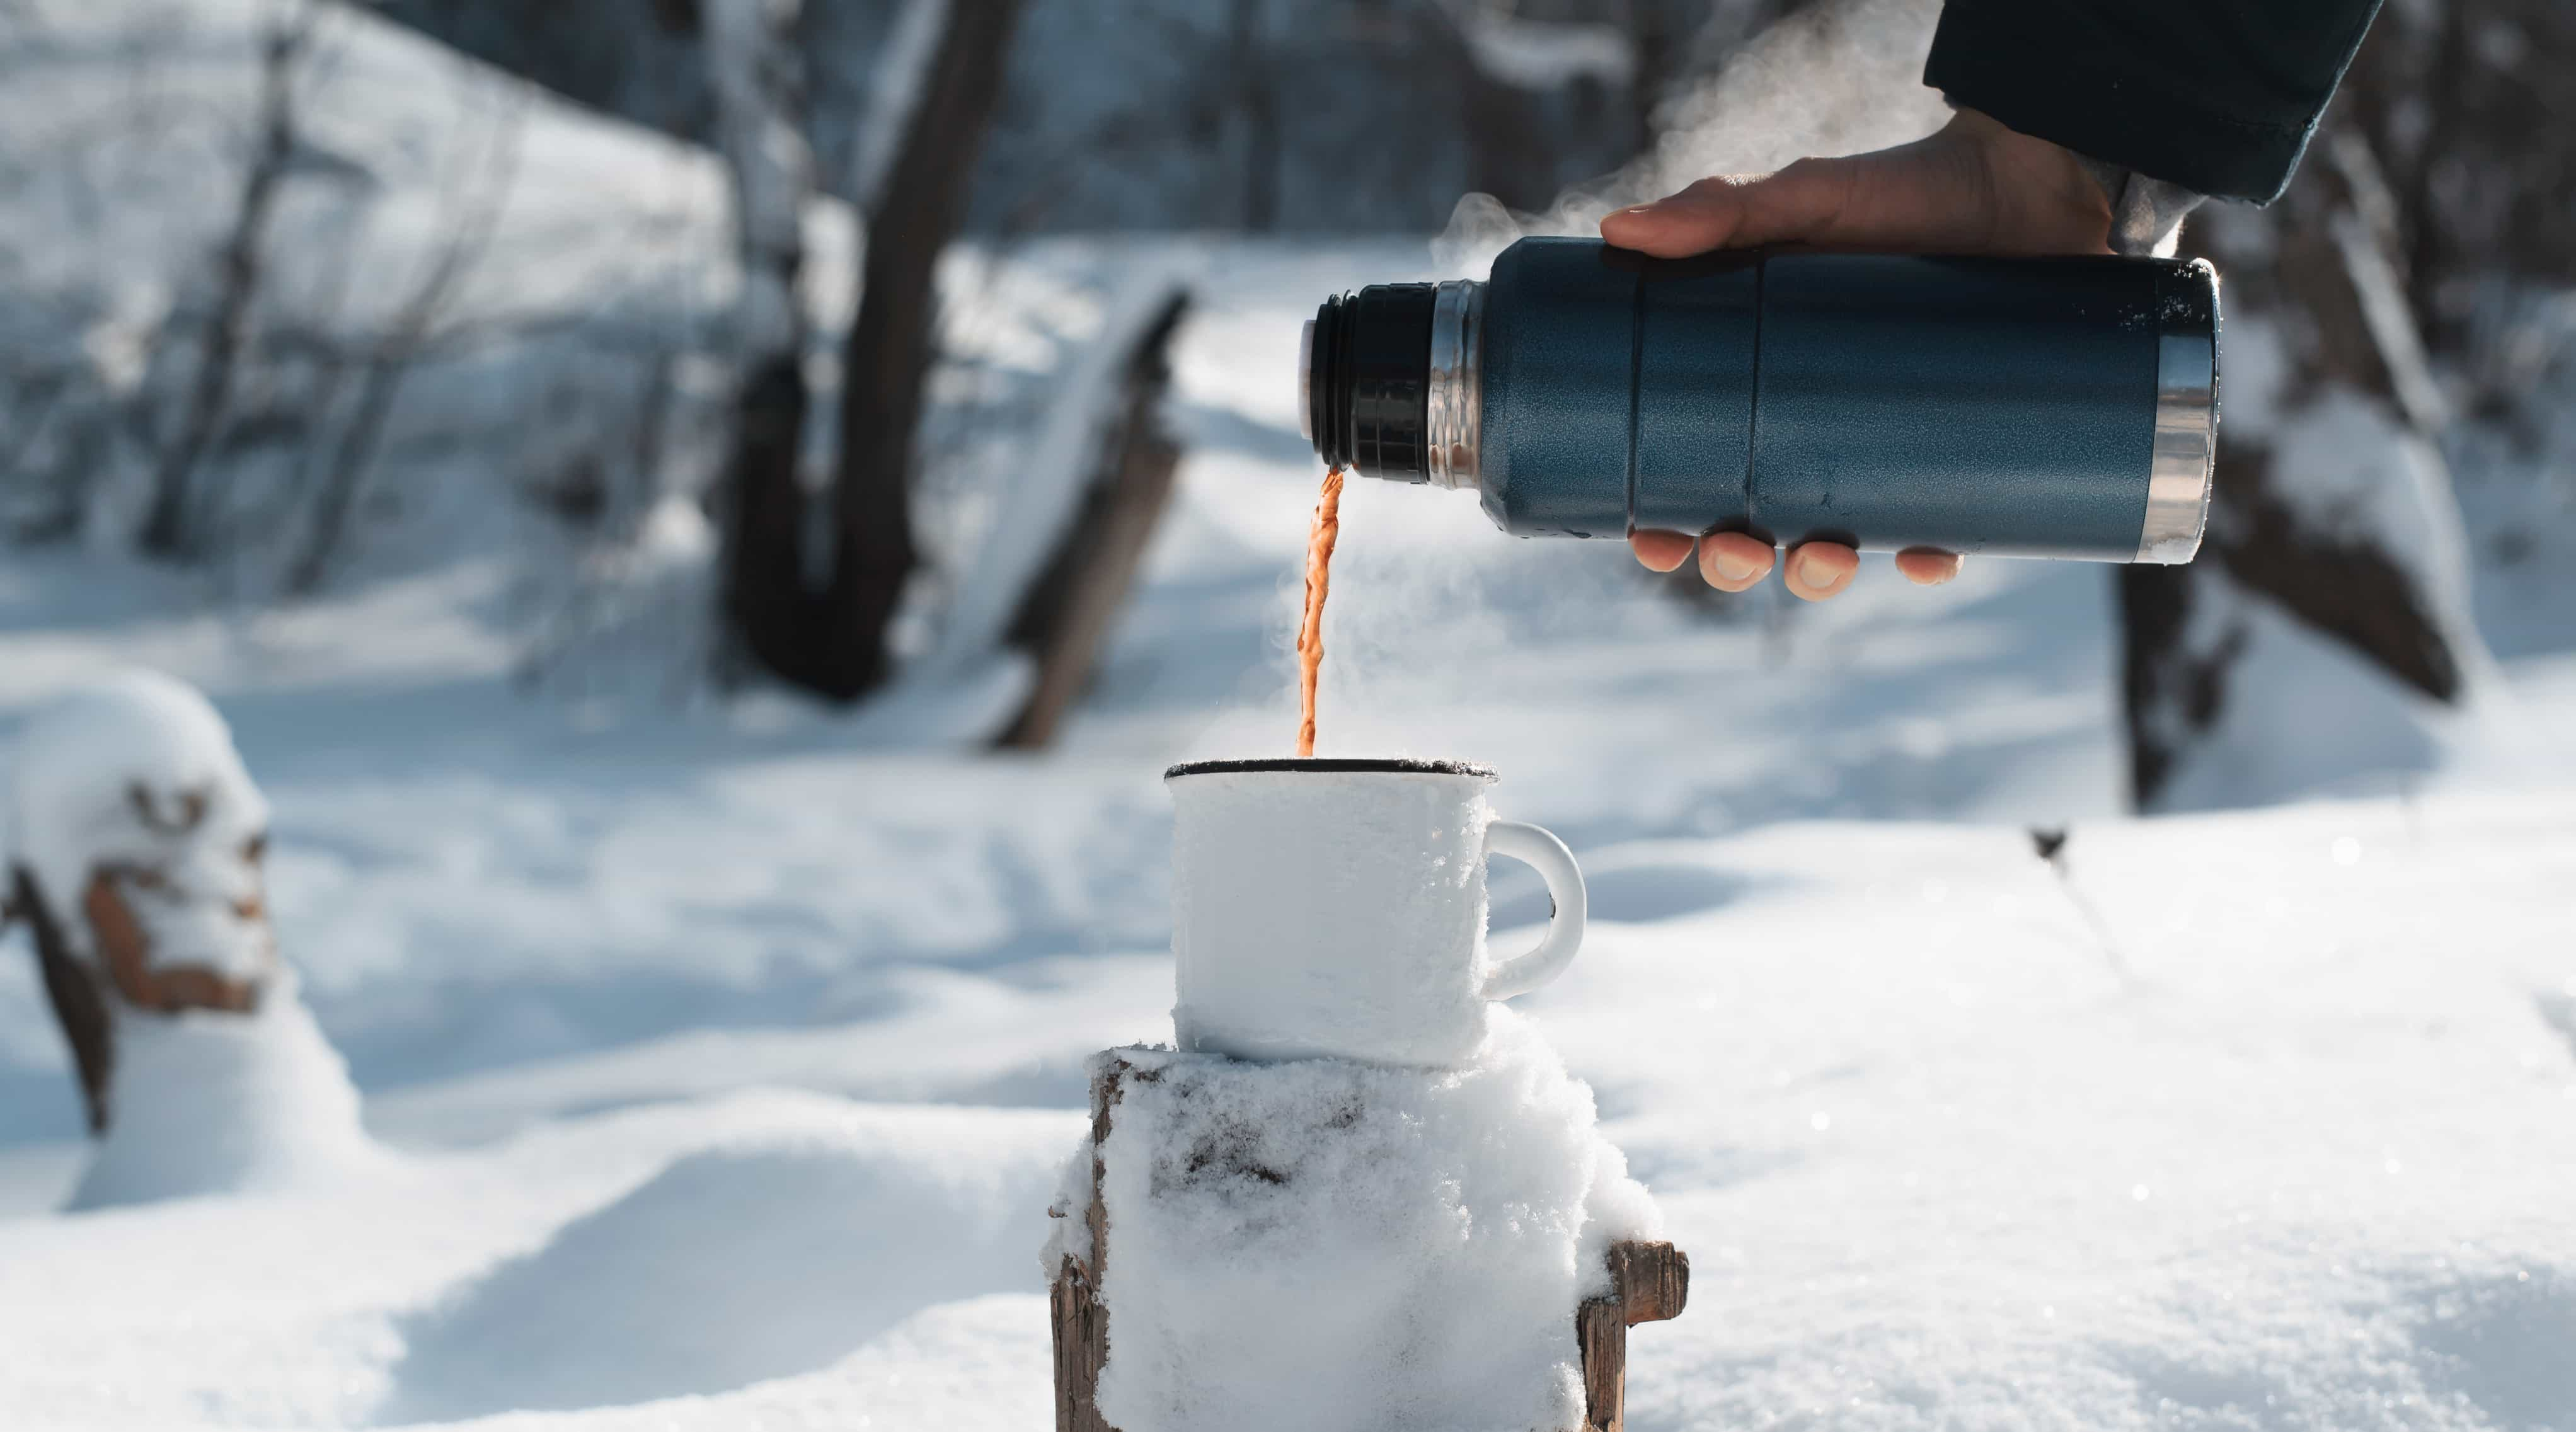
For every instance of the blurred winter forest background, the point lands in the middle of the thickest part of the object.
(528, 420)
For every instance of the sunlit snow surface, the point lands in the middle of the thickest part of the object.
(729, 1057)
(2293, 1148)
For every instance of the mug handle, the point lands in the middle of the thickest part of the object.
(1544, 853)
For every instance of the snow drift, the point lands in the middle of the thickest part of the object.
(814, 1229)
(225, 1103)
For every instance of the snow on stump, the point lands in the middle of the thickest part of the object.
(1339, 1247)
(135, 842)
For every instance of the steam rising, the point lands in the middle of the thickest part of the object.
(1841, 77)
(1429, 600)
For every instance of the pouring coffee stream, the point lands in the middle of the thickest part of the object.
(1326, 531)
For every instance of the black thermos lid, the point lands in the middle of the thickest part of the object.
(1368, 380)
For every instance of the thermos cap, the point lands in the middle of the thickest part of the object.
(1368, 378)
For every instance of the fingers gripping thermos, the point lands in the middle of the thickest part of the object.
(2055, 407)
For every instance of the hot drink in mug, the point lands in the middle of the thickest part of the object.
(1337, 908)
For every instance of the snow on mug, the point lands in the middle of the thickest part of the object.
(1337, 908)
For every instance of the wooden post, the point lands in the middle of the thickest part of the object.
(1081, 1324)
(1649, 1282)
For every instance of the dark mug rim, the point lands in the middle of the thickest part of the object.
(1331, 765)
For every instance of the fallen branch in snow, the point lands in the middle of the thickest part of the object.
(2051, 845)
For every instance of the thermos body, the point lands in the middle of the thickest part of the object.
(2060, 407)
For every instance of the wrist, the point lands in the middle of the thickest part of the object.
(2040, 196)
(2139, 214)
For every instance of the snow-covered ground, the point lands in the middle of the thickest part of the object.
(2280, 1134)
(727, 1054)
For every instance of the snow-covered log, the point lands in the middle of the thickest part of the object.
(1089, 496)
(2332, 522)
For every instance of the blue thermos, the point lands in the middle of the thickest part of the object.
(2028, 407)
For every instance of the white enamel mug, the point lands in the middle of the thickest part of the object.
(1337, 908)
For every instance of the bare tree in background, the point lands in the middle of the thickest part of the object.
(834, 640)
(2464, 110)
(167, 528)
(387, 359)
(886, 364)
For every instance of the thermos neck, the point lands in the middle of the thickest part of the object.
(1389, 384)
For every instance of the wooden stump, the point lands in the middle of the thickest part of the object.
(1649, 1282)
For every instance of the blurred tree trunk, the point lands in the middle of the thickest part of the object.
(833, 640)
(887, 361)
(753, 69)
(2333, 499)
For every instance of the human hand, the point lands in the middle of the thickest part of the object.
(1974, 187)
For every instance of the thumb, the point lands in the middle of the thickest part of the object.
(1804, 203)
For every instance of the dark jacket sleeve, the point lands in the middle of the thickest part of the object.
(2218, 96)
